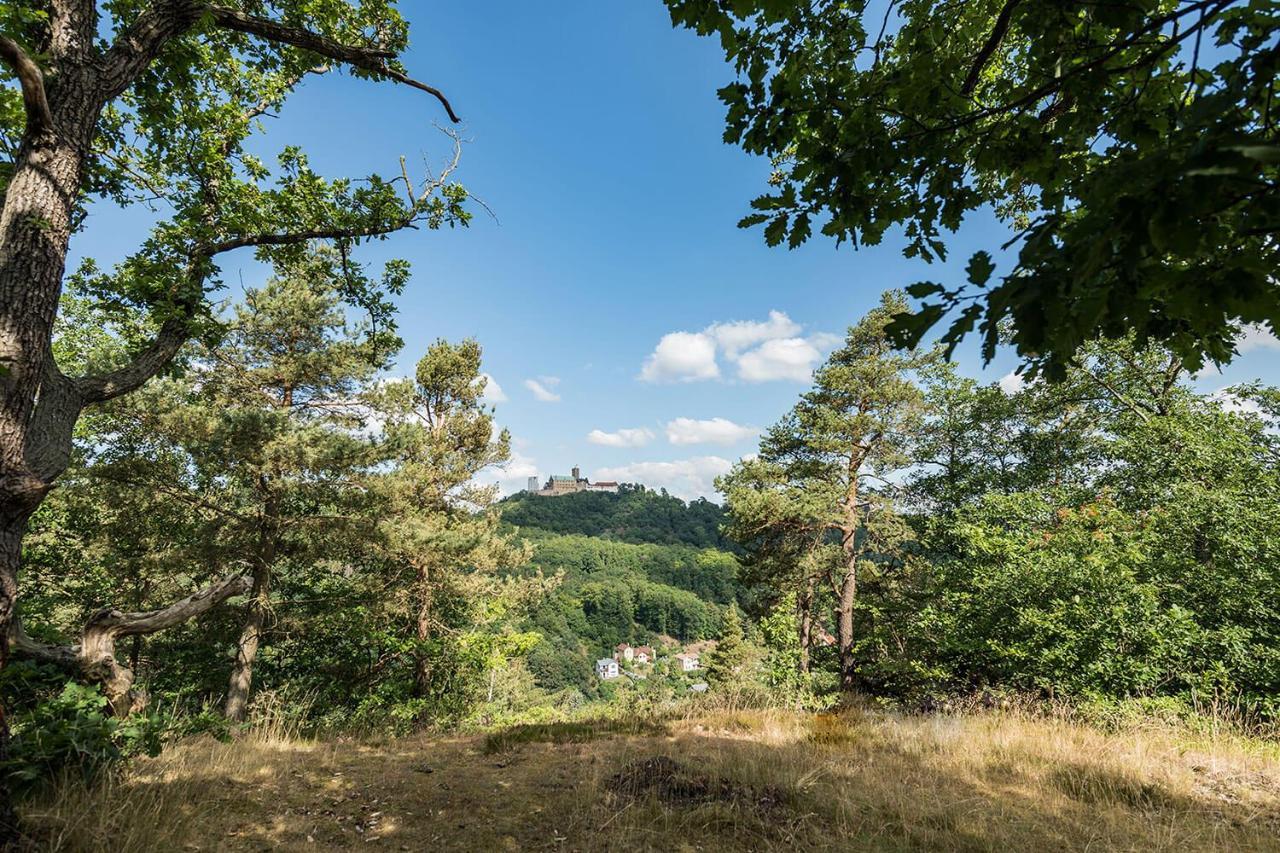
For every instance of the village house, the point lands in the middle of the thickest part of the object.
(688, 662)
(644, 654)
(606, 668)
(623, 652)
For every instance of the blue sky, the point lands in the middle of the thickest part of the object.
(594, 135)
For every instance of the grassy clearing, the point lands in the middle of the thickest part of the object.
(720, 780)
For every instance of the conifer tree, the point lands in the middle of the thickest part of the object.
(731, 650)
(439, 523)
(818, 502)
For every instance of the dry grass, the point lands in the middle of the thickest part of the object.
(725, 780)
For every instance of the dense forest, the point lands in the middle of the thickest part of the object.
(634, 515)
(259, 581)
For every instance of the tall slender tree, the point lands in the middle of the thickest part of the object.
(277, 426)
(823, 476)
(439, 522)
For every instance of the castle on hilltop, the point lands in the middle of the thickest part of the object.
(557, 485)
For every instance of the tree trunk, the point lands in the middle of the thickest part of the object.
(804, 624)
(37, 413)
(10, 554)
(241, 683)
(844, 627)
(94, 658)
(421, 661)
(847, 593)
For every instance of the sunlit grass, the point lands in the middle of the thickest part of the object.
(714, 779)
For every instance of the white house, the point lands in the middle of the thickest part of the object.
(623, 651)
(606, 668)
(688, 662)
(644, 654)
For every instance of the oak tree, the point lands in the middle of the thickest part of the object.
(1130, 147)
(158, 101)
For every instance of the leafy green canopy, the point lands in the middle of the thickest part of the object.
(180, 140)
(1130, 146)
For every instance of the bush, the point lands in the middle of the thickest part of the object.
(72, 734)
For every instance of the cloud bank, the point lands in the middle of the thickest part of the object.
(758, 351)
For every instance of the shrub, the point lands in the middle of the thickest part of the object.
(72, 734)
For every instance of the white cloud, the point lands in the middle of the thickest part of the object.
(1236, 405)
(493, 392)
(739, 335)
(1011, 383)
(682, 357)
(513, 476)
(788, 358)
(540, 389)
(685, 478)
(713, 431)
(638, 437)
(1256, 336)
(763, 351)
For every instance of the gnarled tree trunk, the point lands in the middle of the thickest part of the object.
(93, 659)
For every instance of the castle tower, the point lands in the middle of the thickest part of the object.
(577, 473)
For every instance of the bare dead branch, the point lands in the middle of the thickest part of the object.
(373, 60)
(119, 624)
(94, 657)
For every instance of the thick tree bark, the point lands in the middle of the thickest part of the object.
(94, 658)
(240, 686)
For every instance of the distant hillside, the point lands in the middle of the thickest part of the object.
(634, 515)
(636, 566)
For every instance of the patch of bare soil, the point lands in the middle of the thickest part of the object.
(676, 784)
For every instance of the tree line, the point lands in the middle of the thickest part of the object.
(1108, 535)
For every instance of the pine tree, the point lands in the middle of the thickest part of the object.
(731, 650)
(440, 526)
(817, 507)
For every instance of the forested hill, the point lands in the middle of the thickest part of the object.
(635, 515)
(638, 566)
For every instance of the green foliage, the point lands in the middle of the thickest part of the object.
(1103, 538)
(633, 515)
(612, 592)
(187, 130)
(725, 664)
(69, 732)
(1131, 149)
